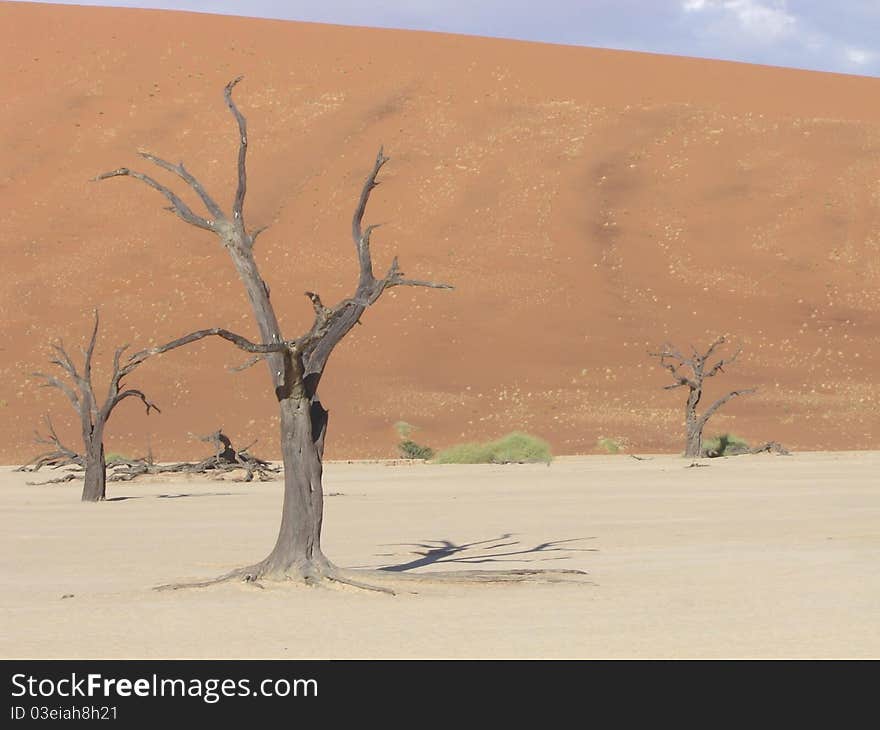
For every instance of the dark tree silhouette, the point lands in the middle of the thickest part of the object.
(690, 372)
(295, 365)
(77, 386)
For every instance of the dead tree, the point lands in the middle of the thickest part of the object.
(57, 457)
(295, 365)
(78, 388)
(690, 372)
(226, 458)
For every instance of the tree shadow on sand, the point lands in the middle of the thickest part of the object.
(171, 496)
(502, 549)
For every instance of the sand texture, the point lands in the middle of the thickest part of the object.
(753, 556)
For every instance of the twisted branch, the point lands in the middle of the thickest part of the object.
(238, 203)
(190, 180)
(710, 411)
(60, 455)
(178, 207)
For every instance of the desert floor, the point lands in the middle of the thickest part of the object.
(753, 556)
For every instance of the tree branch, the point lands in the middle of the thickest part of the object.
(60, 456)
(679, 361)
(249, 363)
(679, 378)
(85, 399)
(134, 393)
(239, 341)
(361, 237)
(190, 180)
(64, 361)
(719, 366)
(90, 351)
(238, 203)
(115, 384)
(718, 341)
(178, 207)
(395, 277)
(256, 233)
(52, 381)
(683, 381)
(317, 304)
(710, 411)
(418, 282)
(332, 324)
(85, 385)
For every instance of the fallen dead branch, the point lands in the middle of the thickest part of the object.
(225, 459)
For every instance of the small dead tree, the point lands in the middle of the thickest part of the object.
(226, 458)
(296, 365)
(57, 457)
(690, 372)
(77, 386)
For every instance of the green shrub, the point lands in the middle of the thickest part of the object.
(113, 456)
(514, 448)
(411, 450)
(727, 444)
(472, 453)
(406, 447)
(521, 448)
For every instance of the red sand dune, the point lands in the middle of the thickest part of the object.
(587, 205)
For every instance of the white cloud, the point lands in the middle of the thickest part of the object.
(779, 30)
(760, 19)
(859, 56)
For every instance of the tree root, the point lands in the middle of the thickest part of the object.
(56, 480)
(239, 574)
(359, 584)
(383, 581)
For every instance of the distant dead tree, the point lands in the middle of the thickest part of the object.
(295, 365)
(58, 456)
(690, 372)
(77, 386)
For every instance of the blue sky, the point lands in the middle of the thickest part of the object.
(824, 35)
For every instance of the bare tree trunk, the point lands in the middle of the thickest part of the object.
(94, 489)
(693, 425)
(694, 439)
(297, 549)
